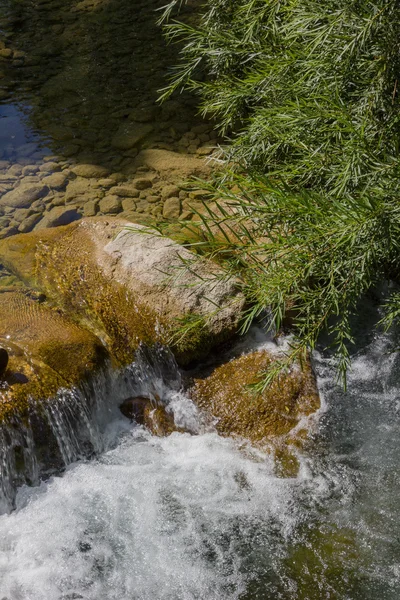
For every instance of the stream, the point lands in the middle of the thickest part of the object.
(196, 516)
(203, 517)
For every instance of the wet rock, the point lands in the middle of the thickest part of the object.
(125, 191)
(6, 53)
(15, 170)
(150, 414)
(128, 204)
(29, 223)
(205, 150)
(24, 195)
(267, 417)
(142, 183)
(173, 164)
(30, 170)
(76, 188)
(143, 115)
(21, 213)
(91, 208)
(49, 167)
(172, 208)
(134, 408)
(8, 231)
(118, 177)
(130, 135)
(130, 286)
(169, 191)
(90, 171)
(3, 361)
(110, 205)
(59, 215)
(107, 183)
(152, 199)
(56, 181)
(46, 351)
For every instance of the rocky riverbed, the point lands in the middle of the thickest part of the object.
(81, 131)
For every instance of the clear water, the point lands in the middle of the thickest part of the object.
(201, 517)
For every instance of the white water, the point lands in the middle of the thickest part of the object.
(199, 518)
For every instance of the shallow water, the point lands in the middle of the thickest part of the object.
(202, 517)
(79, 83)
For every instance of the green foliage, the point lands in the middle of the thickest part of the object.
(308, 92)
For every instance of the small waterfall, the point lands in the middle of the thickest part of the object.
(70, 426)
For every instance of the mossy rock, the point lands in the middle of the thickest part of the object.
(46, 352)
(268, 418)
(127, 287)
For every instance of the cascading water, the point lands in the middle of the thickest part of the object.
(200, 517)
(70, 426)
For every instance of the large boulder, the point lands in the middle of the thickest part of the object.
(128, 286)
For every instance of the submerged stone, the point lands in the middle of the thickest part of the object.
(24, 195)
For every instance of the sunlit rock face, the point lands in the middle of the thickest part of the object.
(128, 287)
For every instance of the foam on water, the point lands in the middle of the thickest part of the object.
(154, 518)
(200, 517)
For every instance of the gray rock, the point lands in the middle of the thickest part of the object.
(110, 205)
(24, 195)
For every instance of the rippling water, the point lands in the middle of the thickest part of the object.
(201, 517)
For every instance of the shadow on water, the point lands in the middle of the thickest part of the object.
(84, 76)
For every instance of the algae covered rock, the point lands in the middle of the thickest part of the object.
(126, 286)
(46, 352)
(266, 418)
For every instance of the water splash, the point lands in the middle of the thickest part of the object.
(72, 425)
